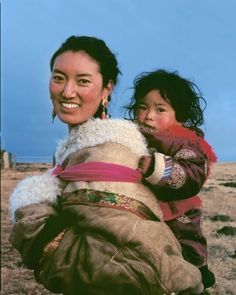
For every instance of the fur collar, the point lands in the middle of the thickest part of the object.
(46, 187)
(97, 131)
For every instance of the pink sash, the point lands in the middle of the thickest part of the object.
(98, 171)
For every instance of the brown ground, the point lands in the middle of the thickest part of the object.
(219, 199)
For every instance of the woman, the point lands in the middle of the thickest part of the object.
(88, 226)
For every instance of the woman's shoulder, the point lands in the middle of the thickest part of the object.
(97, 131)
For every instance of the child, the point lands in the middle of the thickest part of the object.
(168, 108)
(88, 226)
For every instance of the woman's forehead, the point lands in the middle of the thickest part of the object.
(76, 60)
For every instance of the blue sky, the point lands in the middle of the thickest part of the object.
(195, 37)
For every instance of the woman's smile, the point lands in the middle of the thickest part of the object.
(70, 105)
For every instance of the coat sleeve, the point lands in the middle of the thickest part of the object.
(32, 190)
(177, 177)
(180, 167)
(35, 226)
(33, 211)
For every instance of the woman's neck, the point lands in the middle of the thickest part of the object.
(72, 126)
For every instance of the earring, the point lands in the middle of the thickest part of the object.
(53, 115)
(105, 114)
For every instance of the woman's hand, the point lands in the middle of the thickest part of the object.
(145, 164)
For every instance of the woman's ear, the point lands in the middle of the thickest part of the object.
(109, 87)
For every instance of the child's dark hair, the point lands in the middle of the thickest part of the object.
(182, 94)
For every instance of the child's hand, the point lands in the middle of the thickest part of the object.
(144, 164)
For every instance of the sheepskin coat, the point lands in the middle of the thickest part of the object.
(81, 248)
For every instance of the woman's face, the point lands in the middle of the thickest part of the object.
(156, 112)
(76, 87)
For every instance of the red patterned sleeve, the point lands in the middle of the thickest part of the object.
(182, 163)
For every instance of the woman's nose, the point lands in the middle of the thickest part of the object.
(69, 90)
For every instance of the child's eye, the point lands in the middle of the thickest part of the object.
(160, 110)
(142, 107)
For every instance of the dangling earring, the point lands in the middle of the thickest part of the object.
(53, 115)
(104, 109)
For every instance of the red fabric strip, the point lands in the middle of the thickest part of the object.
(174, 209)
(98, 171)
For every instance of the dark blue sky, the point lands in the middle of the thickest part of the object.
(195, 37)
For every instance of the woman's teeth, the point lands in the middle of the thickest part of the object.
(70, 105)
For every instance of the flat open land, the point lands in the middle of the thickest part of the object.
(219, 224)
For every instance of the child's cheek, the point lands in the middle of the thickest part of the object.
(140, 117)
(163, 123)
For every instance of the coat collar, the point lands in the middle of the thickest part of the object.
(97, 131)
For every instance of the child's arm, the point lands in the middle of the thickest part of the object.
(179, 169)
(174, 179)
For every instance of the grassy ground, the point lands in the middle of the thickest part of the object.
(219, 199)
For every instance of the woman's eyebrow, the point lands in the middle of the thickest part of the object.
(84, 74)
(78, 75)
(57, 71)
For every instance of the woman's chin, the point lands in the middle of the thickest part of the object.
(72, 121)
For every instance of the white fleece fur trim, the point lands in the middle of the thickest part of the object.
(97, 131)
(158, 170)
(34, 189)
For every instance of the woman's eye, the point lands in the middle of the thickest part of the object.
(83, 81)
(160, 110)
(57, 78)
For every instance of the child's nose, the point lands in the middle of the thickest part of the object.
(150, 115)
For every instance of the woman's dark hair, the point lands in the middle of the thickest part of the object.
(98, 50)
(182, 94)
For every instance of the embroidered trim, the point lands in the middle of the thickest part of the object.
(168, 167)
(51, 246)
(184, 219)
(106, 199)
(178, 177)
(185, 154)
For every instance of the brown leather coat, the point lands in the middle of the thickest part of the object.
(83, 247)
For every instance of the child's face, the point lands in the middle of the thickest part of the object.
(156, 112)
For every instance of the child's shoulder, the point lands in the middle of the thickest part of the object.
(181, 132)
(187, 136)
